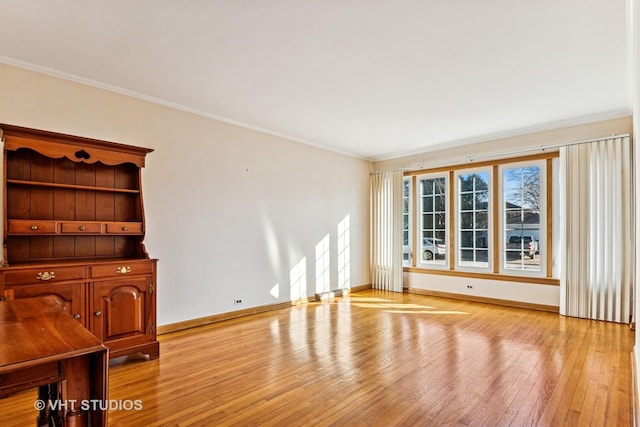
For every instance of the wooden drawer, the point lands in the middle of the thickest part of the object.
(81, 227)
(124, 228)
(25, 226)
(122, 269)
(43, 274)
(32, 376)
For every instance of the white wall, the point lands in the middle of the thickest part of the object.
(495, 148)
(231, 212)
(547, 295)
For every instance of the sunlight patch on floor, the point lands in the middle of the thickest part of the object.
(391, 306)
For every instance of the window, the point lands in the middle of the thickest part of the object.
(432, 228)
(406, 224)
(473, 202)
(523, 205)
(489, 219)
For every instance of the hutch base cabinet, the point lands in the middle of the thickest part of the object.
(74, 229)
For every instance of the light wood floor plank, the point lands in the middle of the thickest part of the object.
(377, 358)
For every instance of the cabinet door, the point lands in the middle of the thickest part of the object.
(69, 295)
(122, 311)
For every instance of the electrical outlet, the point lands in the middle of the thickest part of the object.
(237, 301)
(470, 287)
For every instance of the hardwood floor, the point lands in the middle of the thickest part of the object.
(377, 358)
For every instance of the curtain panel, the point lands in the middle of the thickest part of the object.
(597, 263)
(386, 231)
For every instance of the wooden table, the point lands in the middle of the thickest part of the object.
(41, 345)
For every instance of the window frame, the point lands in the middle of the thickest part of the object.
(490, 215)
(407, 180)
(418, 236)
(549, 228)
(542, 231)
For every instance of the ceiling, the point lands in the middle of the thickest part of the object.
(374, 79)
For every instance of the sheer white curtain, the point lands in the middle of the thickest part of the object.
(386, 231)
(597, 229)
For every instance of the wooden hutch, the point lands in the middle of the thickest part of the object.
(74, 228)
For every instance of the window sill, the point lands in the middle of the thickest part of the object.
(490, 276)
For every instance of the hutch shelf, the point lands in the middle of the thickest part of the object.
(74, 228)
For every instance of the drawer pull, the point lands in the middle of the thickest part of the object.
(125, 228)
(76, 316)
(34, 227)
(123, 270)
(82, 228)
(98, 313)
(46, 275)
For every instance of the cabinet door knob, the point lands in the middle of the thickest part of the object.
(34, 227)
(76, 316)
(98, 313)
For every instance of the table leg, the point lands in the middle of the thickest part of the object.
(76, 389)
